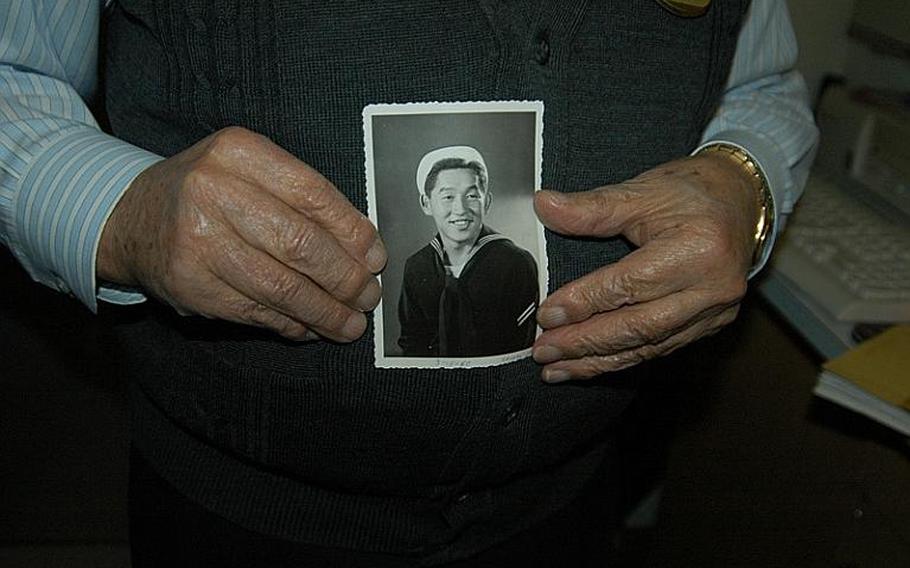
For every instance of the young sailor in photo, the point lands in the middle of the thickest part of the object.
(471, 291)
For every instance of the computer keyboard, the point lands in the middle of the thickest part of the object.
(849, 252)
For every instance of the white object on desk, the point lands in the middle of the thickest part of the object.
(827, 336)
(850, 258)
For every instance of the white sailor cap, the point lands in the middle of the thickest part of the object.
(466, 153)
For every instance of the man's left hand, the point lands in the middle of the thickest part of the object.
(693, 222)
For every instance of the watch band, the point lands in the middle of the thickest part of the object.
(765, 222)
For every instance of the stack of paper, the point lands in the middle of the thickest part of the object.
(873, 379)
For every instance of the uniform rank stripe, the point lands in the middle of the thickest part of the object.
(526, 314)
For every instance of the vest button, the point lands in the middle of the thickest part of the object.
(542, 49)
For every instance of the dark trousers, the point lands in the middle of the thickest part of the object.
(169, 530)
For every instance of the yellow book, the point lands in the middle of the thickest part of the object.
(873, 378)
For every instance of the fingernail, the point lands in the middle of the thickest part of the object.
(552, 317)
(310, 335)
(547, 354)
(376, 256)
(355, 326)
(370, 296)
(555, 375)
(556, 197)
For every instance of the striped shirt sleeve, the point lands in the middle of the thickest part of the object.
(765, 109)
(60, 176)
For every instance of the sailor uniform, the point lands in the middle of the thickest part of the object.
(486, 309)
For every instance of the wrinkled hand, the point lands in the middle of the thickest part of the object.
(693, 221)
(236, 228)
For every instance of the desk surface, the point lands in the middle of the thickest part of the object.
(764, 474)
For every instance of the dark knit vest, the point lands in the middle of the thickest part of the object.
(311, 442)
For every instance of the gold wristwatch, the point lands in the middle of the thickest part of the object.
(765, 222)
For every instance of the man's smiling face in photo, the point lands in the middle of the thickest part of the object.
(457, 203)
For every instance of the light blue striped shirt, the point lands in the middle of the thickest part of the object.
(60, 176)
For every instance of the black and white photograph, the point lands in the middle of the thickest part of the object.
(450, 188)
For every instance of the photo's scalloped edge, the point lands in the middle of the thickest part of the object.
(457, 106)
(450, 362)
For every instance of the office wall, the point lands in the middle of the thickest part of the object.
(825, 47)
(821, 29)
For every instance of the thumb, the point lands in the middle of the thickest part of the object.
(602, 212)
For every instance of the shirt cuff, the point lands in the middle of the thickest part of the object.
(64, 200)
(772, 163)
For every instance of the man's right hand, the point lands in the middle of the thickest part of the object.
(236, 228)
